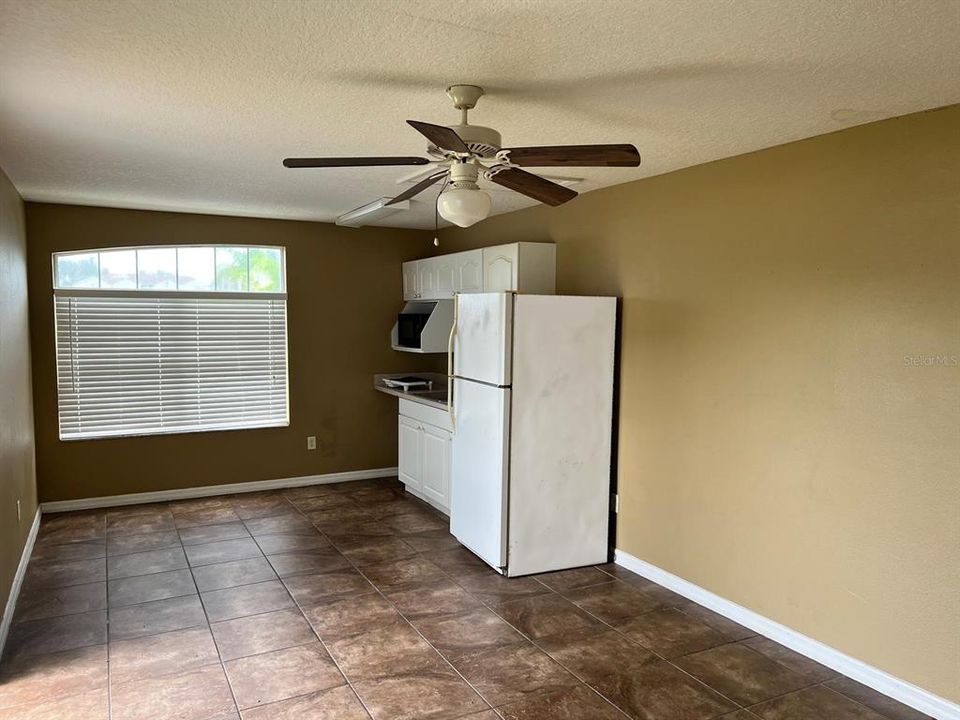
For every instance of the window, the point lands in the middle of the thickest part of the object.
(170, 339)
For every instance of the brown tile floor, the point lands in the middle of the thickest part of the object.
(352, 601)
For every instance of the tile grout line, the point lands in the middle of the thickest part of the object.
(730, 642)
(452, 579)
(484, 604)
(657, 655)
(299, 607)
(447, 574)
(213, 639)
(106, 591)
(668, 661)
(552, 658)
(405, 619)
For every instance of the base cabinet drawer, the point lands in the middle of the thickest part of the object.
(424, 460)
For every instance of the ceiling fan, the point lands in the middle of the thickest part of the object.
(463, 153)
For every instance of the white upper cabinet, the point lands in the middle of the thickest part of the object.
(447, 276)
(529, 268)
(427, 278)
(411, 280)
(469, 271)
(500, 268)
(518, 267)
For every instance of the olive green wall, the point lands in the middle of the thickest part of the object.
(784, 440)
(17, 476)
(343, 295)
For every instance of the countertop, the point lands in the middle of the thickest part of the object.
(435, 397)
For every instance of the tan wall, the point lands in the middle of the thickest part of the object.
(776, 446)
(343, 295)
(17, 476)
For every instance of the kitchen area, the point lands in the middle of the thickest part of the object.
(514, 441)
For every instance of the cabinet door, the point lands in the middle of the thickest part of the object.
(500, 268)
(411, 280)
(446, 276)
(409, 461)
(426, 278)
(435, 465)
(469, 271)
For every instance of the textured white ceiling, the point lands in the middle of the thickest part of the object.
(191, 104)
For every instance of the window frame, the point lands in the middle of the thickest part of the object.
(171, 293)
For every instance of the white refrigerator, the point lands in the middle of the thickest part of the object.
(532, 417)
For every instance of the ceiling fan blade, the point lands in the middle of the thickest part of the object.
(575, 156)
(352, 162)
(417, 189)
(441, 136)
(532, 185)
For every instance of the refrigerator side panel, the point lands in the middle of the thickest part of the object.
(481, 341)
(561, 425)
(478, 478)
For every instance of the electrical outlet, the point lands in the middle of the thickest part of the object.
(18, 512)
(311, 442)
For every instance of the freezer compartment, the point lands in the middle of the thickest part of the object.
(480, 456)
(483, 334)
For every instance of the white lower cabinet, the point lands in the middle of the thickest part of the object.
(424, 460)
(435, 465)
(408, 462)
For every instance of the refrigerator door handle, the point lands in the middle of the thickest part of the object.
(453, 332)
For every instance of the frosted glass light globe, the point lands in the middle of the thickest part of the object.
(463, 206)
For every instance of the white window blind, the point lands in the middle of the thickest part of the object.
(136, 363)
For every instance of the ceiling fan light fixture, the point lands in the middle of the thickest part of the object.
(464, 206)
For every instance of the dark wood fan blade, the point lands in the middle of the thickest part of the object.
(352, 162)
(575, 156)
(443, 137)
(533, 186)
(418, 188)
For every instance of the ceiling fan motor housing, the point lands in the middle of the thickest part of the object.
(481, 141)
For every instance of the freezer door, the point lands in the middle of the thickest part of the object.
(482, 337)
(478, 478)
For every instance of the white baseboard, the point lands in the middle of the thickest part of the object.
(208, 490)
(11, 606)
(882, 682)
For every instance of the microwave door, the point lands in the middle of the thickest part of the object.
(483, 338)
